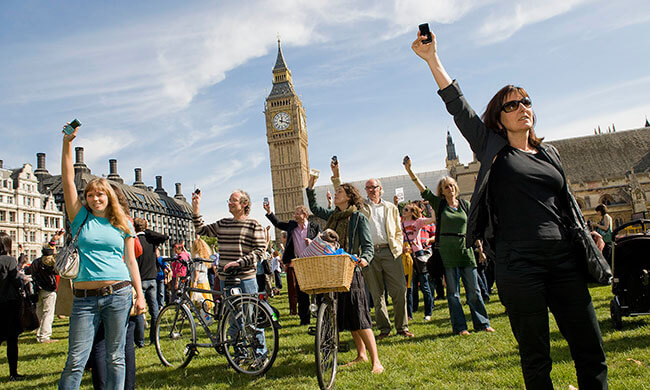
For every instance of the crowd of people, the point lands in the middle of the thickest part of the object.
(517, 221)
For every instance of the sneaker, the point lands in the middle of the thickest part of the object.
(16, 377)
(427, 318)
(405, 333)
(259, 363)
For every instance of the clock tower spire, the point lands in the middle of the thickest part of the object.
(286, 133)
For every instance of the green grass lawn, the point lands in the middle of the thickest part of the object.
(433, 359)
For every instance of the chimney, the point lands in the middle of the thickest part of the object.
(79, 165)
(138, 179)
(40, 172)
(159, 188)
(179, 194)
(1, 164)
(112, 171)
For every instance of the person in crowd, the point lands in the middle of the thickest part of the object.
(10, 324)
(298, 230)
(241, 244)
(521, 202)
(277, 270)
(352, 227)
(44, 277)
(23, 259)
(481, 268)
(163, 272)
(604, 228)
(102, 287)
(147, 265)
(201, 251)
(412, 224)
(179, 269)
(458, 260)
(385, 271)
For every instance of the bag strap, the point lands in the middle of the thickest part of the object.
(406, 236)
(76, 236)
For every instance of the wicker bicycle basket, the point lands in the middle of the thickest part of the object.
(321, 274)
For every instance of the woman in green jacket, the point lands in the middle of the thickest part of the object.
(353, 311)
(458, 260)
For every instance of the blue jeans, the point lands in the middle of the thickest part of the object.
(98, 363)
(423, 281)
(113, 311)
(248, 286)
(160, 287)
(474, 301)
(150, 291)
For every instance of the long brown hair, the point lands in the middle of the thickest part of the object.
(492, 115)
(354, 195)
(114, 211)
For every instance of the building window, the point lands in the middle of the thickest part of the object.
(12, 234)
(3, 215)
(56, 223)
(10, 199)
(12, 216)
(25, 237)
(1, 198)
(46, 222)
(32, 236)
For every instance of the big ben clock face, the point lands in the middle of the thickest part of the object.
(281, 121)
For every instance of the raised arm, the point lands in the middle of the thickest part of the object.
(72, 202)
(336, 176)
(201, 229)
(315, 208)
(277, 223)
(429, 53)
(416, 180)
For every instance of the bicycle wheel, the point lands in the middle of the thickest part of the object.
(327, 341)
(175, 330)
(249, 336)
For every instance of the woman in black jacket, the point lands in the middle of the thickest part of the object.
(520, 205)
(10, 325)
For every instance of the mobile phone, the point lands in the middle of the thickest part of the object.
(424, 31)
(314, 172)
(266, 200)
(406, 159)
(335, 160)
(69, 129)
(197, 191)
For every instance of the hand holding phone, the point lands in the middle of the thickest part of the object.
(406, 160)
(425, 32)
(71, 127)
(335, 160)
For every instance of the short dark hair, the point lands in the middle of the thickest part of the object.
(140, 224)
(354, 195)
(602, 209)
(492, 115)
(5, 243)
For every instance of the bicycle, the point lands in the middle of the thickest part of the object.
(327, 340)
(247, 332)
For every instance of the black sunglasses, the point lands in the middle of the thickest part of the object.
(514, 104)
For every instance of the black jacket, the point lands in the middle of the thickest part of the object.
(147, 261)
(289, 254)
(487, 144)
(43, 275)
(9, 282)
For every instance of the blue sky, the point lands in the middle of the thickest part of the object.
(179, 89)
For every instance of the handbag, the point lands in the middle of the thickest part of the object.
(420, 257)
(67, 260)
(27, 310)
(597, 268)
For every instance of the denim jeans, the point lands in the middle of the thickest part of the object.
(97, 360)
(474, 301)
(423, 281)
(113, 311)
(160, 287)
(150, 291)
(248, 286)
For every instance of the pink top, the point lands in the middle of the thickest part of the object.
(179, 269)
(412, 230)
(299, 234)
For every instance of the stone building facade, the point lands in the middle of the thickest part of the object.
(286, 133)
(29, 216)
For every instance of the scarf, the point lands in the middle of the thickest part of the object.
(339, 222)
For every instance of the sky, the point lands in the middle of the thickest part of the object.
(178, 88)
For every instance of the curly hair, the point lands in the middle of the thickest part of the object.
(353, 194)
(492, 115)
(200, 249)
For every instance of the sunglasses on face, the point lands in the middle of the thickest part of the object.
(371, 187)
(514, 104)
(408, 209)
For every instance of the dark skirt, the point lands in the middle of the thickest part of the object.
(10, 324)
(353, 311)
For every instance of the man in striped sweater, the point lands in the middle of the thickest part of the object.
(241, 239)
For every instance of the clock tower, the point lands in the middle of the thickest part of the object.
(286, 134)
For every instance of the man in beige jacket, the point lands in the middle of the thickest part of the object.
(385, 271)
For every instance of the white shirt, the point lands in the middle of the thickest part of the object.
(378, 222)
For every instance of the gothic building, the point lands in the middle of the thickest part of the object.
(286, 133)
